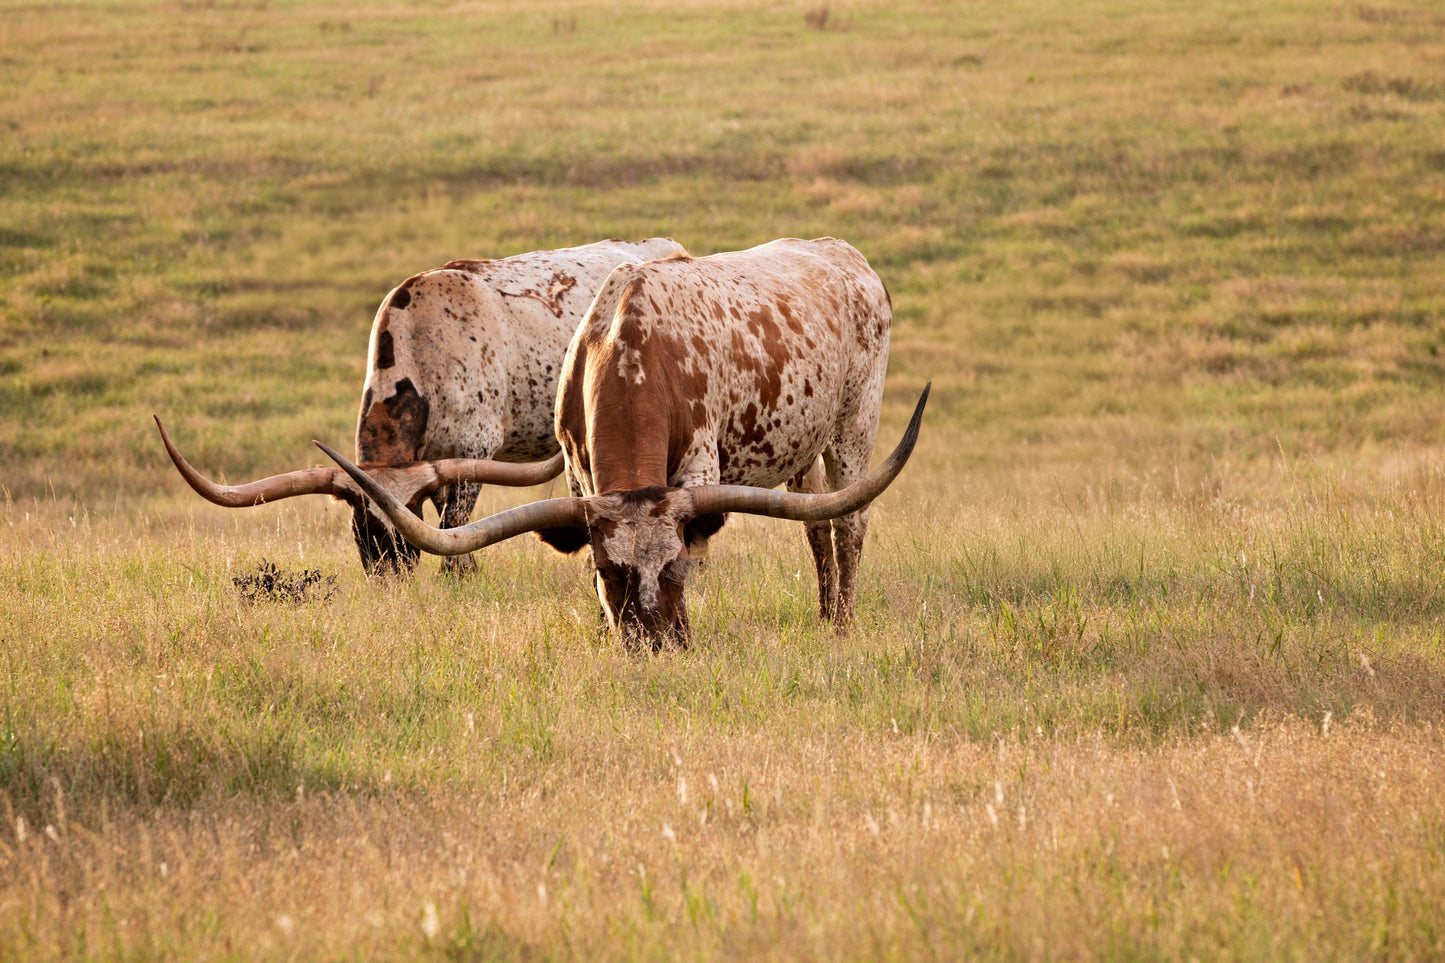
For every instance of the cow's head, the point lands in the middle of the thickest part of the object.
(382, 549)
(643, 541)
(644, 544)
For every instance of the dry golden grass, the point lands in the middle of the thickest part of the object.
(1290, 838)
(1083, 718)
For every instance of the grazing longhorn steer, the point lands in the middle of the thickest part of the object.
(463, 366)
(692, 388)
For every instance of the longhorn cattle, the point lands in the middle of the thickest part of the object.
(461, 380)
(692, 388)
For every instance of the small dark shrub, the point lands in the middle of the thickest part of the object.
(270, 584)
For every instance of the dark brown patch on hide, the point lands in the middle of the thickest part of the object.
(392, 432)
(763, 327)
(385, 351)
(752, 431)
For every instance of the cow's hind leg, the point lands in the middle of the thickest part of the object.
(848, 533)
(820, 540)
(455, 503)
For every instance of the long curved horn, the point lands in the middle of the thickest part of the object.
(484, 471)
(309, 481)
(416, 479)
(550, 513)
(420, 478)
(804, 506)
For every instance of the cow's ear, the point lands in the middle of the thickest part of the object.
(564, 540)
(696, 532)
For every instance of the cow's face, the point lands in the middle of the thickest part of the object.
(641, 563)
(382, 549)
(644, 544)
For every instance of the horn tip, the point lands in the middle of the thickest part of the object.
(337, 457)
(166, 438)
(918, 409)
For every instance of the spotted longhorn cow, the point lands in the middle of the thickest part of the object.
(693, 387)
(460, 389)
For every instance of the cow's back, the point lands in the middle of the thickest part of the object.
(464, 360)
(758, 359)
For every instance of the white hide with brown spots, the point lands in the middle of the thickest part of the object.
(753, 367)
(739, 368)
(464, 362)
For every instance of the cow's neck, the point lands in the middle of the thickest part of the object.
(629, 435)
(629, 453)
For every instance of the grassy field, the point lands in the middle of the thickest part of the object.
(1149, 661)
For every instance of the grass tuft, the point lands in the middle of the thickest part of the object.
(271, 584)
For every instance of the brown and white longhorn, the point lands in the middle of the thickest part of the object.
(460, 390)
(693, 387)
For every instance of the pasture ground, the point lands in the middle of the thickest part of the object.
(1149, 662)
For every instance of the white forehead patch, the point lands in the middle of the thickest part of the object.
(647, 545)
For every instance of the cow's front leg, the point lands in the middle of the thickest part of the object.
(455, 504)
